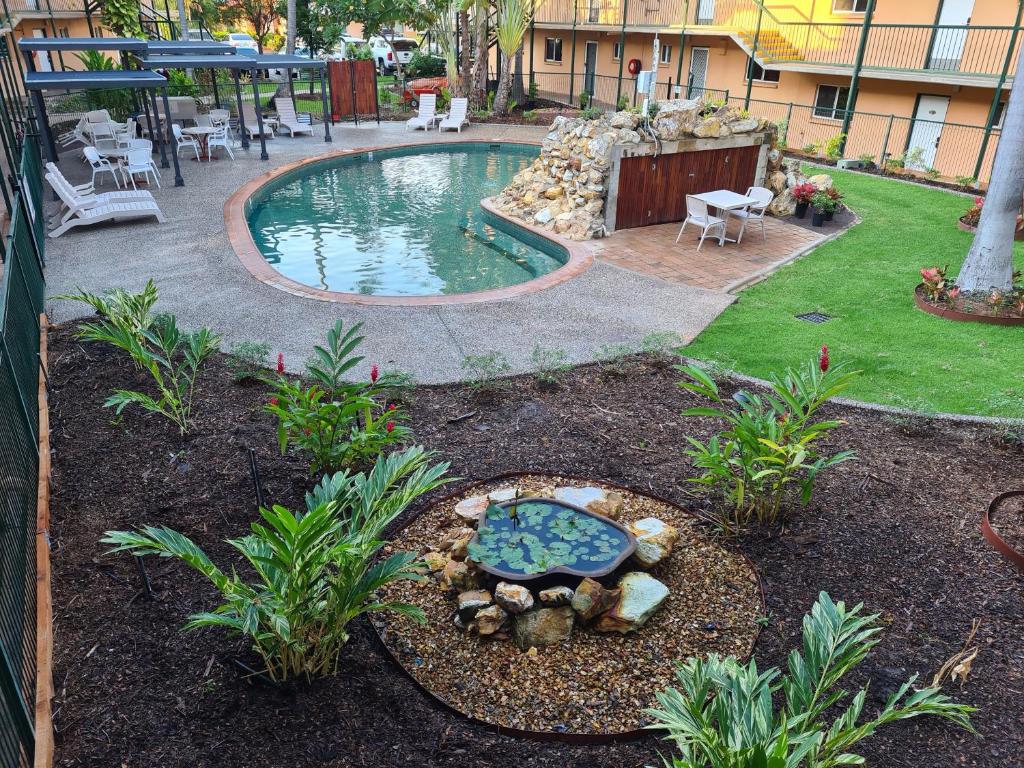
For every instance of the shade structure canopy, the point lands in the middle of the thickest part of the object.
(199, 61)
(75, 80)
(286, 61)
(82, 44)
(183, 47)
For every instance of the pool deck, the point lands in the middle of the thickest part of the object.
(202, 281)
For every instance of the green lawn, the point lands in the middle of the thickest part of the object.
(865, 280)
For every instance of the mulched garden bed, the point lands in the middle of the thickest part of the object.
(897, 529)
(596, 683)
(843, 219)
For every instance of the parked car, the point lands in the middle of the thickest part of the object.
(384, 56)
(340, 52)
(277, 74)
(240, 40)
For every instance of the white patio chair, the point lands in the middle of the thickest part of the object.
(82, 189)
(99, 165)
(103, 136)
(425, 114)
(753, 213)
(97, 116)
(126, 135)
(697, 213)
(138, 160)
(93, 211)
(456, 117)
(220, 138)
(252, 127)
(73, 201)
(286, 117)
(220, 116)
(181, 140)
(204, 120)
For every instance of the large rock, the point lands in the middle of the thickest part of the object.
(591, 599)
(821, 181)
(435, 561)
(489, 620)
(593, 499)
(469, 510)
(675, 118)
(542, 627)
(640, 595)
(514, 598)
(499, 495)
(470, 603)
(454, 536)
(654, 541)
(744, 125)
(460, 576)
(777, 182)
(708, 128)
(553, 597)
(783, 205)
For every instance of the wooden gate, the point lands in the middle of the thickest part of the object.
(653, 190)
(353, 88)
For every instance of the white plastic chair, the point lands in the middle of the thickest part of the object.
(697, 213)
(755, 213)
(138, 160)
(456, 117)
(220, 117)
(220, 138)
(252, 127)
(204, 120)
(286, 117)
(425, 114)
(103, 136)
(181, 140)
(99, 165)
(73, 200)
(82, 212)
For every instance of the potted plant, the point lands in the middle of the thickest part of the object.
(837, 198)
(822, 205)
(803, 193)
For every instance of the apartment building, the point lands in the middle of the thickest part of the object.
(927, 80)
(48, 18)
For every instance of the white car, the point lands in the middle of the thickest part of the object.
(241, 40)
(384, 56)
(340, 52)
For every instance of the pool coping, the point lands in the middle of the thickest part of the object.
(580, 256)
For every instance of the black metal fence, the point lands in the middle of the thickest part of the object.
(21, 303)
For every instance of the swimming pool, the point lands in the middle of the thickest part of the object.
(403, 221)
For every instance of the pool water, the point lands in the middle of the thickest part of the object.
(400, 222)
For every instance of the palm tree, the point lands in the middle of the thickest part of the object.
(290, 26)
(989, 263)
(477, 85)
(513, 21)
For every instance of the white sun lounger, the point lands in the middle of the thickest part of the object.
(286, 117)
(75, 198)
(252, 127)
(425, 116)
(456, 117)
(85, 211)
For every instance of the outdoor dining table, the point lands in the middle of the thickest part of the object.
(202, 134)
(726, 200)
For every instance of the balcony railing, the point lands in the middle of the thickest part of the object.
(15, 7)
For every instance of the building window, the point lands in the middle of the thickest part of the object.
(997, 122)
(830, 101)
(759, 74)
(617, 51)
(849, 6)
(553, 49)
(666, 54)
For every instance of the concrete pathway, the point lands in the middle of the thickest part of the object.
(202, 281)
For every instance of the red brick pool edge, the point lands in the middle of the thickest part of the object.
(580, 255)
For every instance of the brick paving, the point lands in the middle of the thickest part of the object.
(653, 251)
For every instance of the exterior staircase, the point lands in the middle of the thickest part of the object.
(772, 46)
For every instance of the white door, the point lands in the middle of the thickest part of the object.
(698, 72)
(948, 44)
(705, 11)
(926, 131)
(42, 57)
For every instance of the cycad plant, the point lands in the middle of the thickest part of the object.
(723, 716)
(313, 572)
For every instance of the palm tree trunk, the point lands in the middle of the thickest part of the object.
(479, 76)
(504, 85)
(464, 60)
(989, 263)
(290, 29)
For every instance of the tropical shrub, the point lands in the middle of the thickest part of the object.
(723, 714)
(803, 193)
(834, 146)
(584, 100)
(768, 452)
(548, 364)
(180, 84)
(313, 572)
(117, 101)
(247, 359)
(118, 310)
(966, 182)
(423, 64)
(484, 370)
(358, 51)
(336, 423)
(934, 280)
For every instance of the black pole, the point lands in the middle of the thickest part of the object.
(241, 120)
(178, 181)
(158, 135)
(216, 94)
(323, 100)
(259, 114)
(352, 86)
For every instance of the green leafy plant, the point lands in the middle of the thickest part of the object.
(834, 147)
(823, 202)
(180, 84)
(548, 364)
(584, 100)
(710, 106)
(769, 449)
(896, 162)
(781, 133)
(724, 715)
(966, 182)
(622, 103)
(614, 358)
(661, 344)
(932, 173)
(117, 101)
(532, 92)
(812, 148)
(247, 360)
(591, 113)
(313, 572)
(867, 158)
(530, 115)
(484, 370)
(336, 423)
(423, 64)
(119, 310)
(121, 17)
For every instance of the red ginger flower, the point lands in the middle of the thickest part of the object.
(392, 407)
(390, 426)
(823, 360)
(374, 373)
(280, 362)
(273, 401)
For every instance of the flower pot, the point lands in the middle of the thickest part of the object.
(818, 219)
(801, 210)
(829, 215)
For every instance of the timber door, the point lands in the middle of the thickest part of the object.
(654, 190)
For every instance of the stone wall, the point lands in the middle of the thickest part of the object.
(565, 190)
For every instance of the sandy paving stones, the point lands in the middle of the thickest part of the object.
(654, 541)
(640, 596)
(543, 627)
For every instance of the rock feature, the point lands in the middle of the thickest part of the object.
(460, 576)
(453, 537)
(593, 499)
(470, 603)
(470, 509)
(654, 541)
(555, 596)
(434, 561)
(489, 620)
(640, 595)
(592, 599)
(542, 627)
(514, 598)
(821, 180)
(501, 494)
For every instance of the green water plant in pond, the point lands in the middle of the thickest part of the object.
(531, 537)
